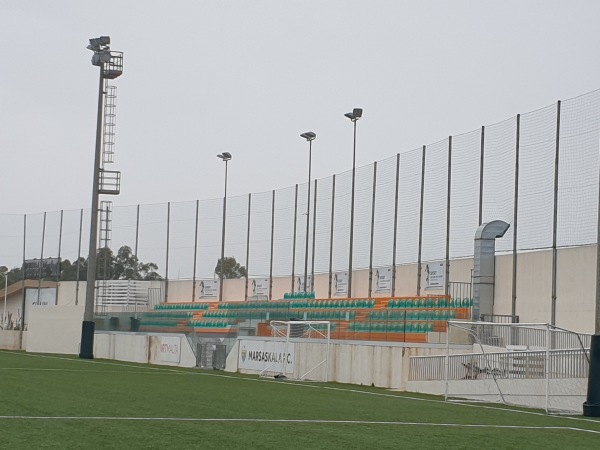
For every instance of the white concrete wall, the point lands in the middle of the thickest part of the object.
(11, 340)
(68, 293)
(363, 363)
(54, 329)
(575, 287)
(140, 348)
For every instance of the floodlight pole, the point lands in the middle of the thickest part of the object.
(225, 156)
(353, 116)
(109, 69)
(309, 136)
(86, 350)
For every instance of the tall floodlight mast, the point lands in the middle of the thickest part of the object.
(104, 181)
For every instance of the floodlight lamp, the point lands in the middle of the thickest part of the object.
(225, 156)
(97, 44)
(354, 115)
(309, 136)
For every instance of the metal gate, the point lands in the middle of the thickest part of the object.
(211, 356)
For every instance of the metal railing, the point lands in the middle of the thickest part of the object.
(554, 364)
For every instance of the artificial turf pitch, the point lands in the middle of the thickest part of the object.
(54, 401)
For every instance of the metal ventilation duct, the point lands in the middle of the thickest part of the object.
(484, 266)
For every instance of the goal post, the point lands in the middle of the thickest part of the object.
(526, 364)
(304, 348)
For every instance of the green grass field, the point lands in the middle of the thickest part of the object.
(53, 401)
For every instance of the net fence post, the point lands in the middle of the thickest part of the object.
(294, 235)
(78, 257)
(314, 238)
(395, 239)
(515, 217)
(167, 253)
(24, 257)
(331, 236)
(248, 248)
(41, 259)
(372, 228)
(59, 248)
(448, 198)
(195, 253)
(481, 160)
(421, 222)
(555, 215)
(548, 340)
(272, 244)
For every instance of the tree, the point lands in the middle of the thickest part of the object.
(68, 270)
(14, 275)
(124, 266)
(231, 268)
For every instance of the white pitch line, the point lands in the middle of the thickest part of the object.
(135, 372)
(308, 421)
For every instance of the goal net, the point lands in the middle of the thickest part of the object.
(534, 365)
(304, 346)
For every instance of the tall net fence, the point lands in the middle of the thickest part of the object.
(526, 170)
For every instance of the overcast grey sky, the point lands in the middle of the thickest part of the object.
(202, 77)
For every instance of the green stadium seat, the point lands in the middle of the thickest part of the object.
(409, 303)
